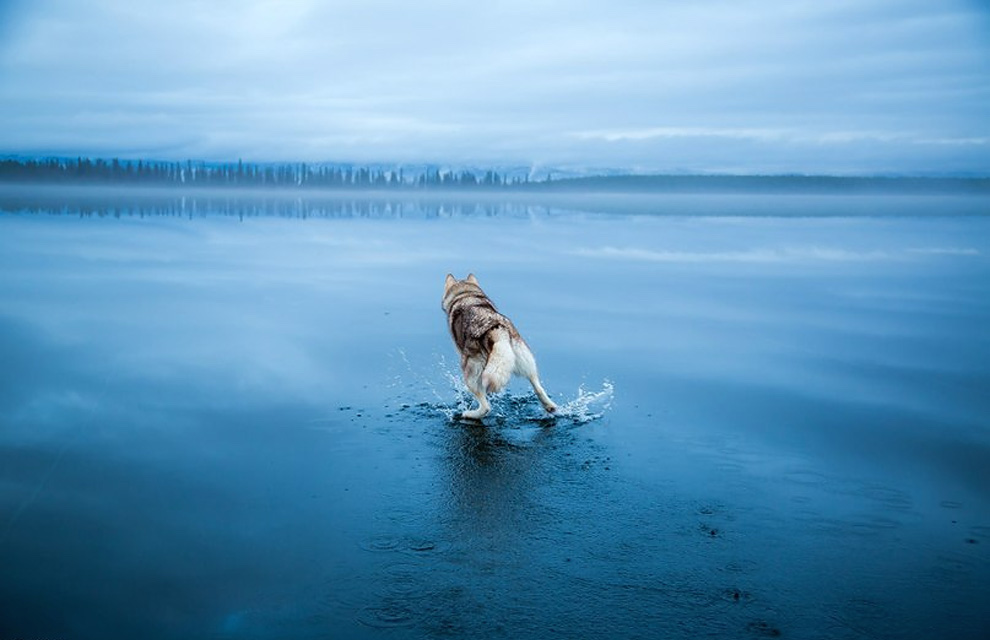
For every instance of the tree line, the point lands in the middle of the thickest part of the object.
(201, 174)
(352, 177)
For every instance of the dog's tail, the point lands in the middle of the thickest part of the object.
(501, 362)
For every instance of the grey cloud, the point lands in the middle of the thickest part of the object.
(878, 85)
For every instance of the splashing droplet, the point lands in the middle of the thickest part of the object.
(588, 405)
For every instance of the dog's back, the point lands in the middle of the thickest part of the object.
(490, 347)
(473, 319)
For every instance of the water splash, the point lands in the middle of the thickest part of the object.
(588, 405)
(449, 398)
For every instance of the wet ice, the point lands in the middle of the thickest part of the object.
(770, 422)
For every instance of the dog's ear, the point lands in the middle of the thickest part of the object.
(449, 282)
(472, 279)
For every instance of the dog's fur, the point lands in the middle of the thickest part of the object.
(491, 349)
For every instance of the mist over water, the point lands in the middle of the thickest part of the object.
(234, 417)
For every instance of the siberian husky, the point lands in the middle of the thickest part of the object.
(490, 347)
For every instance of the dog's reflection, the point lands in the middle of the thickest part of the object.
(497, 485)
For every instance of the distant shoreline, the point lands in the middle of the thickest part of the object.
(767, 184)
(301, 177)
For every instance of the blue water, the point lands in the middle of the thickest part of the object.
(234, 419)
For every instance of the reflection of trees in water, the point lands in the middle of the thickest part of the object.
(149, 203)
(243, 202)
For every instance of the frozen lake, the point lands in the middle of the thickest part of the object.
(231, 419)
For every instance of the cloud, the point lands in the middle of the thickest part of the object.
(889, 84)
(791, 136)
(784, 255)
(946, 251)
(681, 132)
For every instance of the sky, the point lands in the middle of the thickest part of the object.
(844, 87)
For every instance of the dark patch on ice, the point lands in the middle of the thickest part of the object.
(763, 629)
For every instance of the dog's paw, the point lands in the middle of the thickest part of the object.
(551, 408)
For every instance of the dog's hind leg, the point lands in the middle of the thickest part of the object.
(542, 394)
(472, 378)
(526, 367)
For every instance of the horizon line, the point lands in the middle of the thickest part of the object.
(515, 169)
